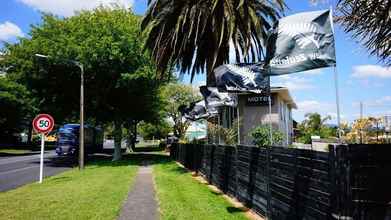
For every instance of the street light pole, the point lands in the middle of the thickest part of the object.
(81, 135)
(81, 138)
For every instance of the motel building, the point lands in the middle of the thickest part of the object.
(254, 111)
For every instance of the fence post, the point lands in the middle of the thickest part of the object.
(212, 152)
(253, 172)
(334, 200)
(268, 209)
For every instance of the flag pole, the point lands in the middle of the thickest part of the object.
(218, 131)
(270, 112)
(237, 109)
(337, 102)
(270, 119)
(336, 82)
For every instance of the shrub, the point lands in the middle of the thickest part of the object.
(261, 135)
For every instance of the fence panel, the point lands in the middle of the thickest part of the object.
(349, 182)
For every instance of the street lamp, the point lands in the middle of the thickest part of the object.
(81, 137)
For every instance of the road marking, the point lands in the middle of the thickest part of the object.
(20, 169)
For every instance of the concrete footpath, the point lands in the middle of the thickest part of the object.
(141, 203)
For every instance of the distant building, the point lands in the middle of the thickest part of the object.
(197, 130)
(254, 111)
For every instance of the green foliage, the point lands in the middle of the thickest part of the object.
(227, 135)
(314, 125)
(118, 73)
(196, 35)
(17, 108)
(176, 95)
(261, 135)
(158, 130)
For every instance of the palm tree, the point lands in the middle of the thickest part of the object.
(369, 22)
(196, 35)
(315, 122)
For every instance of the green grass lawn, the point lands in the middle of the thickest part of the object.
(95, 193)
(182, 197)
(147, 144)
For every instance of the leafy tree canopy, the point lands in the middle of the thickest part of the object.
(175, 95)
(118, 74)
(157, 130)
(16, 106)
(314, 125)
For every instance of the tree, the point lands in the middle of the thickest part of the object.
(370, 23)
(119, 74)
(198, 34)
(364, 130)
(314, 124)
(157, 130)
(177, 95)
(17, 109)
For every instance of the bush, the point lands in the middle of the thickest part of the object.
(261, 135)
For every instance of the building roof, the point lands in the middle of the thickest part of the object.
(283, 92)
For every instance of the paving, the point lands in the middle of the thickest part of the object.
(141, 203)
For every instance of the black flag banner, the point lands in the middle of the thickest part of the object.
(301, 42)
(237, 78)
(213, 98)
(196, 111)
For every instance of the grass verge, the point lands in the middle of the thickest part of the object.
(14, 151)
(182, 197)
(95, 193)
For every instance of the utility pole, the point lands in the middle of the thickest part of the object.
(81, 136)
(361, 112)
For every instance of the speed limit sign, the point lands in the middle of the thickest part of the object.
(43, 123)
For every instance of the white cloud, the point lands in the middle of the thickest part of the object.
(308, 106)
(384, 101)
(364, 71)
(312, 106)
(293, 83)
(68, 7)
(9, 30)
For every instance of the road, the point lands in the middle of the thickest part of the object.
(19, 170)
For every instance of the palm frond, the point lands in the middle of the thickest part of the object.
(196, 35)
(369, 22)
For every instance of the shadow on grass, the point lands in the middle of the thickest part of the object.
(153, 148)
(232, 209)
(179, 170)
(60, 179)
(129, 159)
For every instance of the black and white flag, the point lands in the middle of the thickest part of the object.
(237, 78)
(213, 98)
(301, 42)
(196, 111)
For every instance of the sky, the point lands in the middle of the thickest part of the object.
(361, 77)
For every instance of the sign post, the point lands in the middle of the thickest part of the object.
(43, 124)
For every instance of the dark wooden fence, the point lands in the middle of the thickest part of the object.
(348, 182)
